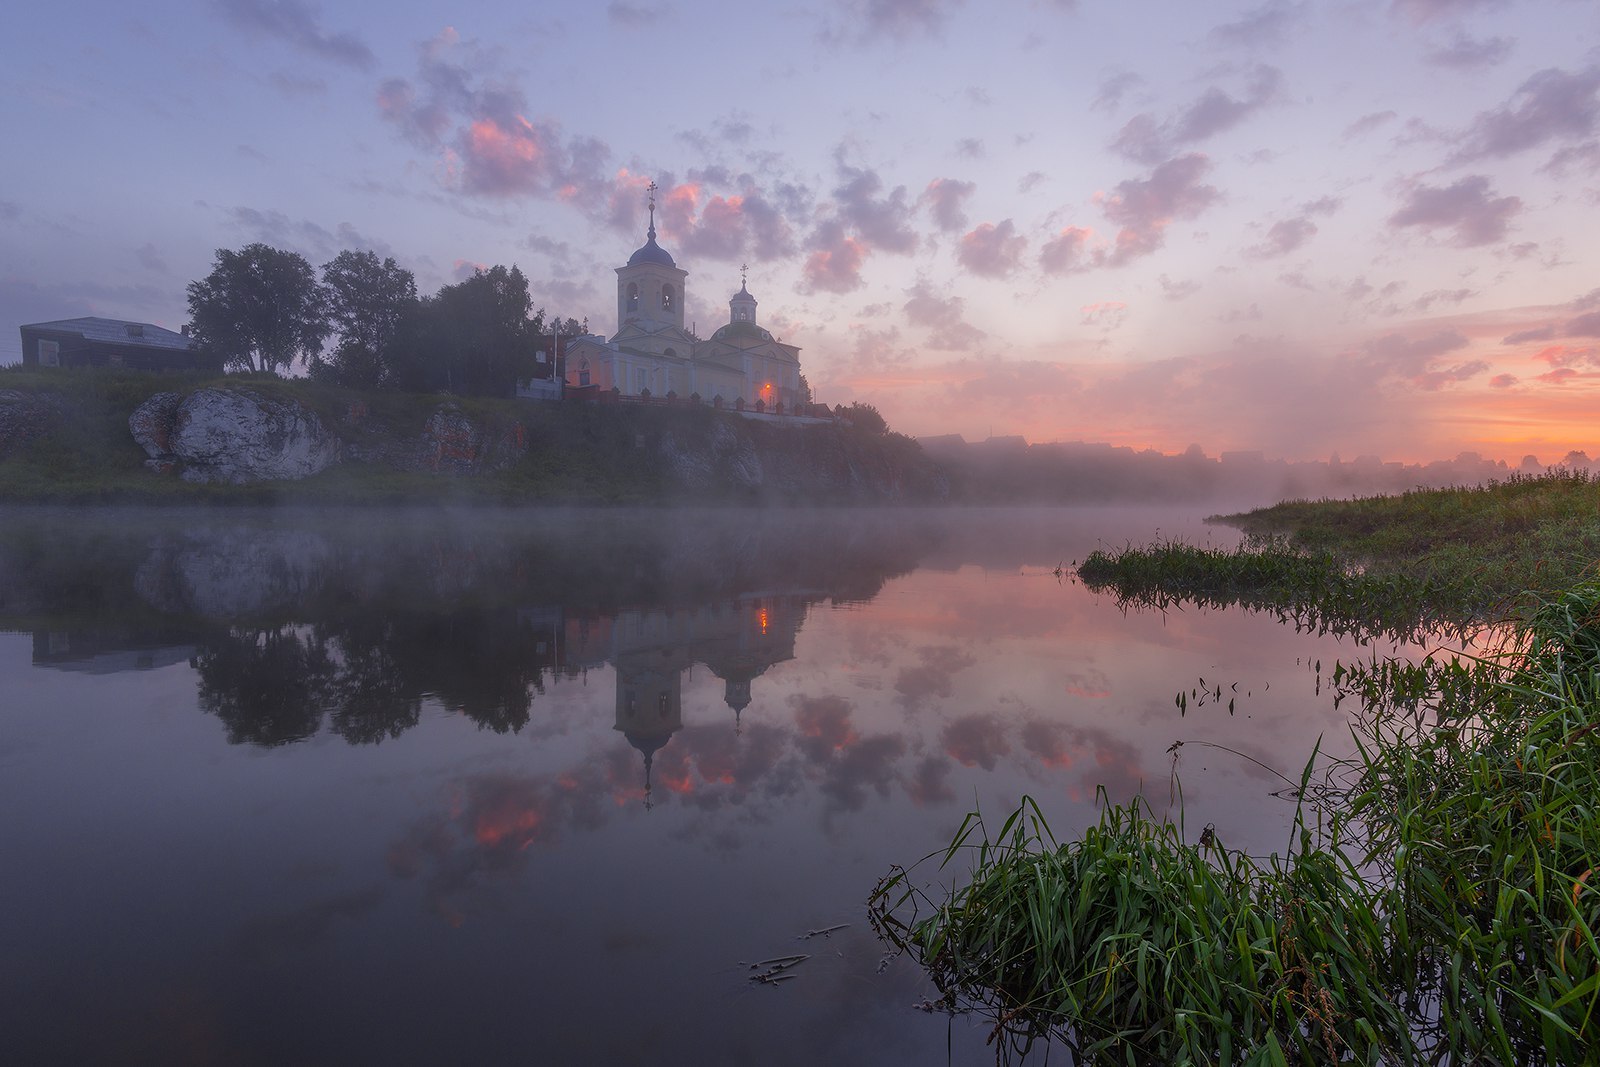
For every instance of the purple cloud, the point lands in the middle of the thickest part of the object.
(299, 24)
(1538, 333)
(1552, 105)
(1425, 10)
(1144, 209)
(946, 198)
(1583, 326)
(1368, 123)
(1470, 53)
(1467, 208)
(941, 316)
(884, 222)
(1144, 140)
(1113, 89)
(992, 250)
(1266, 25)
(635, 15)
(1284, 237)
(1068, 252)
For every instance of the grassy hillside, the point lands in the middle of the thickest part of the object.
(575, 452)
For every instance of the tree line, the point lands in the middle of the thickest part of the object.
(263, 308)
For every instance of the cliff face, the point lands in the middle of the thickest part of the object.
(284, 433)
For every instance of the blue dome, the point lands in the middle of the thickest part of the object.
(651, 253)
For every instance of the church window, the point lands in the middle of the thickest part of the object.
(633, 297)
(666, 298)
(583, 372)
(663, 705)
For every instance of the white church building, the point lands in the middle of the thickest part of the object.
(652, 354)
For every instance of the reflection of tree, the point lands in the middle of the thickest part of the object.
(268, 686)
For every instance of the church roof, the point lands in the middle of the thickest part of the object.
(651, 252)
(735, 331)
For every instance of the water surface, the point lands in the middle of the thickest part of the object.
(540, 786)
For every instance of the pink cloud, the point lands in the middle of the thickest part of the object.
(834, 265)
(992, 250)
(1068, 252)
(1145, 208)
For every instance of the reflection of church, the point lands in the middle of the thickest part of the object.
(652, 353)
(652, 650)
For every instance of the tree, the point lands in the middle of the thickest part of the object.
(260, 308)
(368, 304)
(864, 416)
(476, 336)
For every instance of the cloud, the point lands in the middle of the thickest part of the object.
(299, 24)
(1552, 105)
(1467, 208)
(1144, 140)
(1143, 209)
(941, 316)
(487, 144)
(1109, 96)
(1425, 10)
(977, 740)
(970, 148)
(150, 258)
(947, 198)
(1503, 381)
(1029, 181)
(834, 265)
(883, 221)
(1539, 333)
(1471, 53)
(1177, 290)
(302, 235)
(1068, 252)
(992, 250)
(635, 16)
(1284, 237)
(727, 227)
(1417, 360)
(1368, 123)
(895, 20)
(1583, 326)
(1266, 25)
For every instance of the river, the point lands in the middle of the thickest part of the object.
(541, 785)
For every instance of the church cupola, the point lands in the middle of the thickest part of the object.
(650, 289)
(742, 306)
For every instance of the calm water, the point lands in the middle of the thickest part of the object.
(538, 787)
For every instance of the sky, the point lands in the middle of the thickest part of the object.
(1301, 226)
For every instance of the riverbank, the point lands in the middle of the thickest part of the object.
(113, 437)
(1435, 904)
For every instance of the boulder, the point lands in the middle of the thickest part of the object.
(232, 435)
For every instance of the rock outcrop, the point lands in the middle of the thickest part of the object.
(232, 435)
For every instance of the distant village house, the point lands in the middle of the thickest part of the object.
(97, 342)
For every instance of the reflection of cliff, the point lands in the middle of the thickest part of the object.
(301, 622)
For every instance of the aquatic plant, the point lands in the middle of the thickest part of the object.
(1435, 906)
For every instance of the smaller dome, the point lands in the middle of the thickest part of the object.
(743, 294)
(651, 253)
(741, 329)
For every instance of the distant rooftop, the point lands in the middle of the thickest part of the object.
(115, 331)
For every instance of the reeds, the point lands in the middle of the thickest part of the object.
(1436, 905)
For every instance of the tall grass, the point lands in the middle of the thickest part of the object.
(1436, 905)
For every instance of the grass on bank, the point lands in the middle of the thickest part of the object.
(1436, 907)
(1439, 902)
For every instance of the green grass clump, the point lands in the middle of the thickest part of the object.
(1312, 589)
(1491, 542)
(1443, 912)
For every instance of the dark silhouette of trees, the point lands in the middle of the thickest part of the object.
(369, 302)
(477, 336)
(260, 308)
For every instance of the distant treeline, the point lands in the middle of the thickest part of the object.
(1009, 470)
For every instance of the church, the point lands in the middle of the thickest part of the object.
(652, 354)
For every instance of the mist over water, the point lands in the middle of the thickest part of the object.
(326, 786)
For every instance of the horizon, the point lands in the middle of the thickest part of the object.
(1285, 227)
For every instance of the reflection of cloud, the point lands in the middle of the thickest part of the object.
(976, 741)
(824, 724)
(1100, 759)
(929, 782)
(933, 675)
